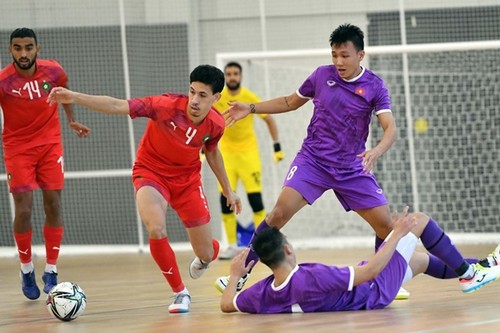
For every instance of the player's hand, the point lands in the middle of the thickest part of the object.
(236, 112)
(233, 202)
(81, 130)
(60, 95)
(369, 158)
(404, 223)
(238, 268)
(279, 155)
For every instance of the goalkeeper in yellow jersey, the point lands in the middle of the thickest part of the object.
(240, 151)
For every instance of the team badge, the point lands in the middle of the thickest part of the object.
(45, 86)
(360, 91)
(205, 138)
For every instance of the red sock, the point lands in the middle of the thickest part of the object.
(164, 256)
(23, 242)
(53, 238)
(216, 246)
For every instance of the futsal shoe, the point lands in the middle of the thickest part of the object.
(181, 303)
(402, 294)
(197, 268)
(29, 287)
(50, 280)
(222, 282)
(482, 276)
(493, 259)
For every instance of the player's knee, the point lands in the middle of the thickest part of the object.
(223, 205)
(52, 210)
(155, 231)
(422, 220)
(23, 214)
(421, 217)
(255, 200)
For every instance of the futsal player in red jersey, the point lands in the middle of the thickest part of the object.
(167, 170)
(33, 151)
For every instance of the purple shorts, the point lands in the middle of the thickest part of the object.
(392, 276)
(354, 188)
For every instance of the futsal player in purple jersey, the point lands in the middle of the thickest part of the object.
(333, 156)
(315, 287)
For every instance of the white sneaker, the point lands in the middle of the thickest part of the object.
(493, 259)
(197, 268)
(231, 252)
(402, 294)
(482, 276)
(181, 303)
(222, 282)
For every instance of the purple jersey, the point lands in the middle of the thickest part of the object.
(315, 287)
(342, 113)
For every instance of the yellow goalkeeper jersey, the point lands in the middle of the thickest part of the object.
(241, 136)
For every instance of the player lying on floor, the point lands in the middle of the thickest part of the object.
(373, 284)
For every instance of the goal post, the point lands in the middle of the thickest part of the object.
(445, 162)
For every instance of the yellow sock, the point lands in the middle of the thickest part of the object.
(229, 221)
(258, 217)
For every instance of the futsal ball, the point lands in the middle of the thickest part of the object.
(66, 301)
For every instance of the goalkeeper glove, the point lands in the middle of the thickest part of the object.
(278, 153)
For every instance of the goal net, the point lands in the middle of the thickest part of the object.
(446, 101)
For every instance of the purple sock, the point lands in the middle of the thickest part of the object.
(439, 270)
(439, 244)
(251, 255)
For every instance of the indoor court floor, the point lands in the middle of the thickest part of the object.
(126, 293)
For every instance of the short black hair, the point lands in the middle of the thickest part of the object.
(233, 64)
(269, 245)
(23, 33)
(348, 33)
(209, 75)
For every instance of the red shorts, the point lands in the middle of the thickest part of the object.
(38, 167)
(184, 194)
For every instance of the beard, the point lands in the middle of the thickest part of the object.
(233, 86)
(25, 66)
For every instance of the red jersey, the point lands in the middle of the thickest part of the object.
(28, 120)
(171, 142)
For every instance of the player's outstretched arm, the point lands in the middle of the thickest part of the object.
(402, 225)
(103, 104)
(216, 163)
(282, 104)
(238, 269)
